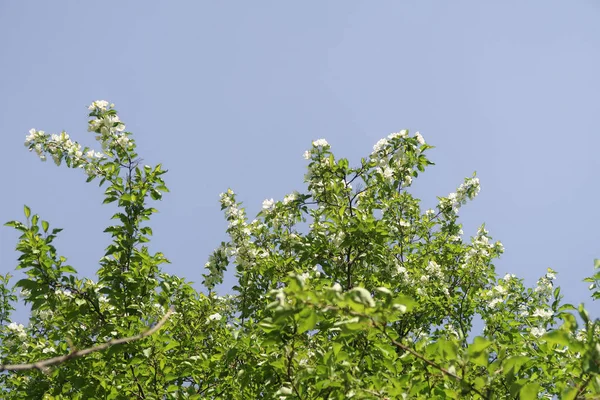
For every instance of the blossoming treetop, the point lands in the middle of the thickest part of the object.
(375, 300)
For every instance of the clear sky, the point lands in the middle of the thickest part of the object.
(230, 94)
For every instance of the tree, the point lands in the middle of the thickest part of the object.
(349, 290)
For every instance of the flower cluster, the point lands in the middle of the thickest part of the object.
(268, 204)
(319, 144)
(290, 198)
(214, 317)
(467, 190)
(17, 329)
(482, 247)
(62, 147)
(544, 284)
(397, 156)
(101, 105)
(383, 144)
(110, 133)
(240, 244)
(109, 128)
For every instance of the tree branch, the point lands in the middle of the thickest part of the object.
(43, 365)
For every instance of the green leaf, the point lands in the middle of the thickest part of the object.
(585, 316)
(268, 327)
(481, 359)
(308, 320)
(529, 391)
(172, 344)
(514, 364)
(45, 226)
(27, 284)
(569, 394)
(172, 388)
(27, 211)
(557, 336)
(479, 344)
(337, 347)
(405, 301)
(68, 269)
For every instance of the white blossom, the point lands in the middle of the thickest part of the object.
(284, 391)
(303, 277)
(306, 155)
(537, 332)
(123, 141)
(380, 145)
(542, 313)
(214, 317)
(420, 138)
(98, 104)
(60, 292)
(320, 143)
(32, 135)
(13, 326)
(434, 269)
(267, 204)
(44, 314)
(500, 289)
(494, 302)
(400, 270)
(388, 173)
(289, 198)
(19, 330)
(402, 134)
(469, 189)
(226, 198)
(543, 285)
(94, 154)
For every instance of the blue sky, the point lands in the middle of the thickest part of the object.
(230, 94)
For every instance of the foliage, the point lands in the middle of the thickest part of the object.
(349, 290)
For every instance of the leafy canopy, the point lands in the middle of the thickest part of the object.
(347, 290)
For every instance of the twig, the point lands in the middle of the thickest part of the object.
(43, 365)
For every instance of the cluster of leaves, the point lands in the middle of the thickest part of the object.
(349, 290)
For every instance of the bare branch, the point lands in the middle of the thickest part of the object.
(43, 365)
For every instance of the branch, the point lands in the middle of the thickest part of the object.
(43, 365)
(382, 328)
